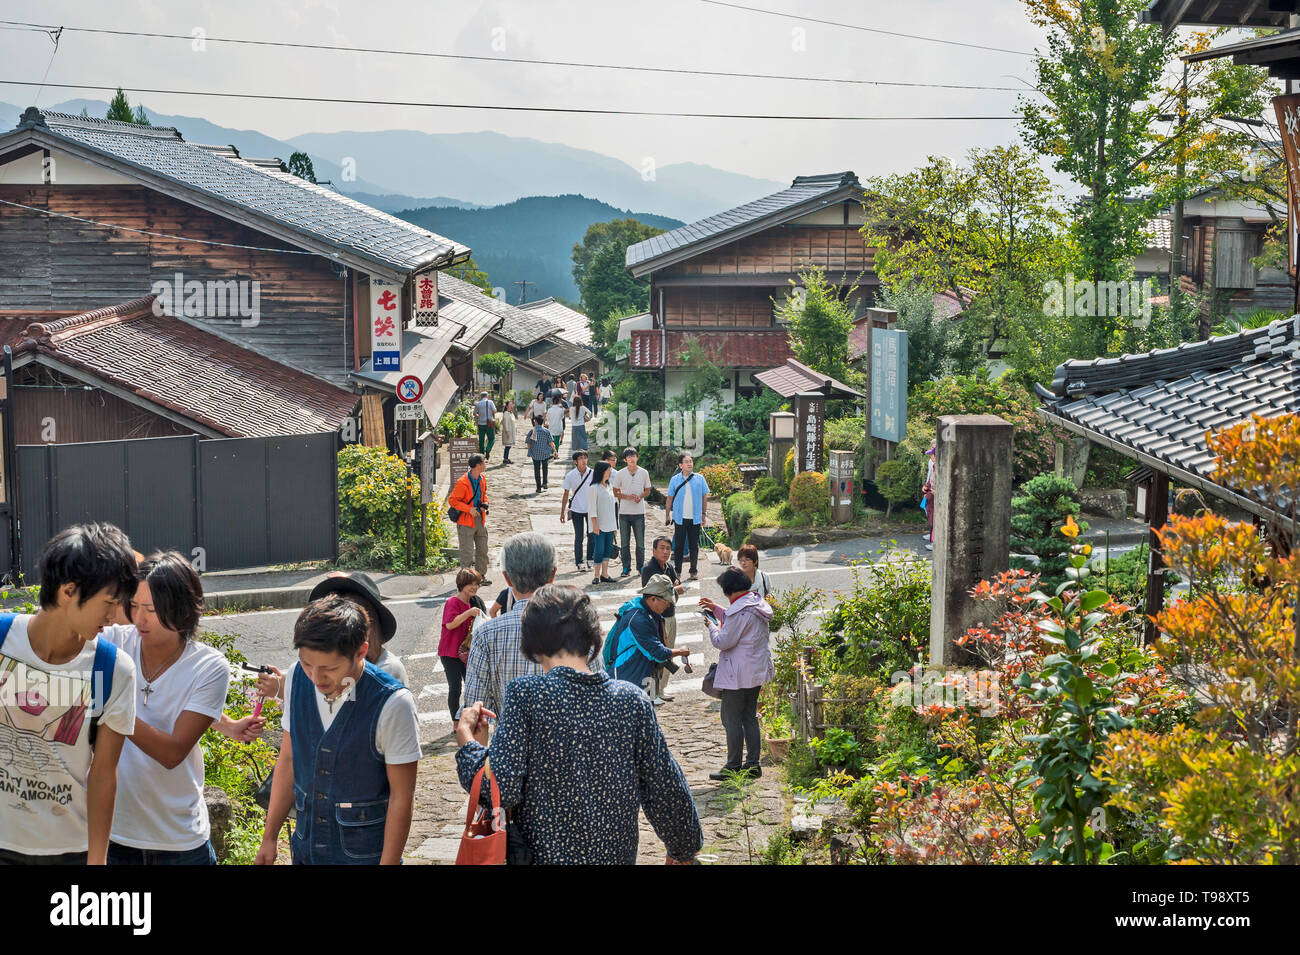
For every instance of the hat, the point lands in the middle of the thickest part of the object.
(930, 449)
(660, 585)
(362, 586)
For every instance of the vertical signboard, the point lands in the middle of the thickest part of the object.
(425, 307)
(459, 453)
(840, 475)
(385, 325)
(1288, 121)
(428, 467)
(809, 430)
(888, 384)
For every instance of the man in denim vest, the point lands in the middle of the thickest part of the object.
(350, 748)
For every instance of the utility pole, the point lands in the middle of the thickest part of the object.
(523, 290)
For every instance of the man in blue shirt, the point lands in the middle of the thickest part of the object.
(688, 498)
(634, 650)
(485, 416)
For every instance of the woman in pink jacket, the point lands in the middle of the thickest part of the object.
(744, 665)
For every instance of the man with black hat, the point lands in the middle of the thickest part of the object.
(362, 591)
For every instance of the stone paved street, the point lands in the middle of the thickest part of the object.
(690, 723)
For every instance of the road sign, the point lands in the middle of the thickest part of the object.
(410, 389)
(408, 412)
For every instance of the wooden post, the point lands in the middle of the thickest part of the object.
(408, 522)
(818, 710)
(1157, 514)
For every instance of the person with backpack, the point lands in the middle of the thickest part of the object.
(67, 703)
(555, 416)
(350, 749)
(161, 817)
(469, 499)
(540, 452)
(634, 650)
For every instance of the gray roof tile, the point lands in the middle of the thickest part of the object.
(519, 328)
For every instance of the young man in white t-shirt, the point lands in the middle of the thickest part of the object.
(555, 421)
(65, 695)
(353, 806)
(631, 487)
(573, 504)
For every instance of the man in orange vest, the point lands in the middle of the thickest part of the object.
(470, 499)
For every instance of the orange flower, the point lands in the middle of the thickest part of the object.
(1069, 528)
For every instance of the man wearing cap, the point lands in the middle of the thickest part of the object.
(927, 496)
(634, 650)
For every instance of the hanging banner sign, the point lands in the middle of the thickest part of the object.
(385, 325)
(425, 307)
(1288, 121)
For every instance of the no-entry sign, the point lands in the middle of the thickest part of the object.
(409, 389)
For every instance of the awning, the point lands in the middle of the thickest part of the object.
(438, 394)
(794, 378)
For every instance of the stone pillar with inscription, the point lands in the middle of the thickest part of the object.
(810, 410)
(972, 525)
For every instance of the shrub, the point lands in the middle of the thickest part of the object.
(723, 479)
(845, 434)
(899, 481)
(458, 423)
(372, 491)
(738, 511)
(787, 469)
(769, 491)
(1125, 576)
(837, 748)
(1037, 515)
(810, 493)
(882, 625)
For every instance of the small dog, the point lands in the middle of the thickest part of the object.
(723, 552)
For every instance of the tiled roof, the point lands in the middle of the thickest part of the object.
(793, 377)
(1158, 406)
(555, 358)
(738, 349)
(256, 189)
(518, 327)
(1160, 234)
(170, 363)
(574, 326)
(805, 194)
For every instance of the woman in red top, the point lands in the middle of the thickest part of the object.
(457, 614)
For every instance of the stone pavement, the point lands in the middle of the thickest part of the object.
(690, 722)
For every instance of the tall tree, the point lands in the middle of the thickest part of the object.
(300, 166)
(598, 268)
(1094, 118)
(139, 118)
(120, 108)
(819, 322)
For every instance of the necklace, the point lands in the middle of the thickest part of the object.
(149, 680)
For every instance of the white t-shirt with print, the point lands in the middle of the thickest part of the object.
(45, 742)
(578, 485)
(398, 735)
(160, 808)
(626, 483)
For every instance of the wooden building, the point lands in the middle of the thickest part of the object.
(718, 281)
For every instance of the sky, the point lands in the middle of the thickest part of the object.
(690, 34)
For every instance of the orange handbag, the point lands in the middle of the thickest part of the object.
(484, 839)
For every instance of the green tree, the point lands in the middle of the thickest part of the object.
(469, 271)
(300, 166)
(140, 119)
(705, 381)
(1094, 119)
(936, 345)
(599, 268)
(819, 322)
(1037, 515)
(497, 365)
(120, 108)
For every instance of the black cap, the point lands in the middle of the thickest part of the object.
(362, 586)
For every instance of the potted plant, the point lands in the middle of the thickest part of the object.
(777, 731)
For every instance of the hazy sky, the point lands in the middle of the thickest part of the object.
(669, 33)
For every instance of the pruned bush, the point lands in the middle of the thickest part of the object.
(738, 511)
(768, 491)
(723, 479)
(810, 493)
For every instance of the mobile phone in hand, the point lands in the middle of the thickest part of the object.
(708, 615)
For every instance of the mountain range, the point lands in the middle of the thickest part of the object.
(519, 203)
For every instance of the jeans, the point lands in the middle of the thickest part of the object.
(593, 403)
(539, 472)
(627, 525)
(601, 547)
(579, 519)
(506, 456)
(486, 438)
(10, 857)
(740, 720)
(686, 534)
(455, 671)
(127, 855)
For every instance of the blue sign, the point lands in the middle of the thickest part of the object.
(888, 384)
(387, 360)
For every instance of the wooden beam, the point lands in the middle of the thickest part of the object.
(1158, 513)
(1249, 12)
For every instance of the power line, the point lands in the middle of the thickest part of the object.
(519, 109)
(18, 24)
(159, 235)
(855, 26)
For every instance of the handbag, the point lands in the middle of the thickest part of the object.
(453, 515)
(463, 652)
(707, 685)
(484, 839)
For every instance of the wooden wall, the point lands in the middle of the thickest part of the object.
(784, 249)
(78, 412)
(57, 263)
(696, 307)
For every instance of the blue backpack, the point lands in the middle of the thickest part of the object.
(101, 680)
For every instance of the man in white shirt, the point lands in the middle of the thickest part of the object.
(485, 416)
(555, 420)
(631, 487)
(576, 484)
(354, 797)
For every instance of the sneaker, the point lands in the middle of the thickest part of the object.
(925, 537)
(485, 583)
(694, 576)
(665, 697)
(626, 571)
(929, 547)
(595, 581)
(606, 580)
(658, 701)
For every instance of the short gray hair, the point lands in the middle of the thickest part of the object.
(528, 559)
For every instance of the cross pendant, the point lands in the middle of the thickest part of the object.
(146, 691)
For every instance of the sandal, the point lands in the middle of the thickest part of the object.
(595, 581)
(607, 580)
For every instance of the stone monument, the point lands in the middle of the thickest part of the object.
(972, 525)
